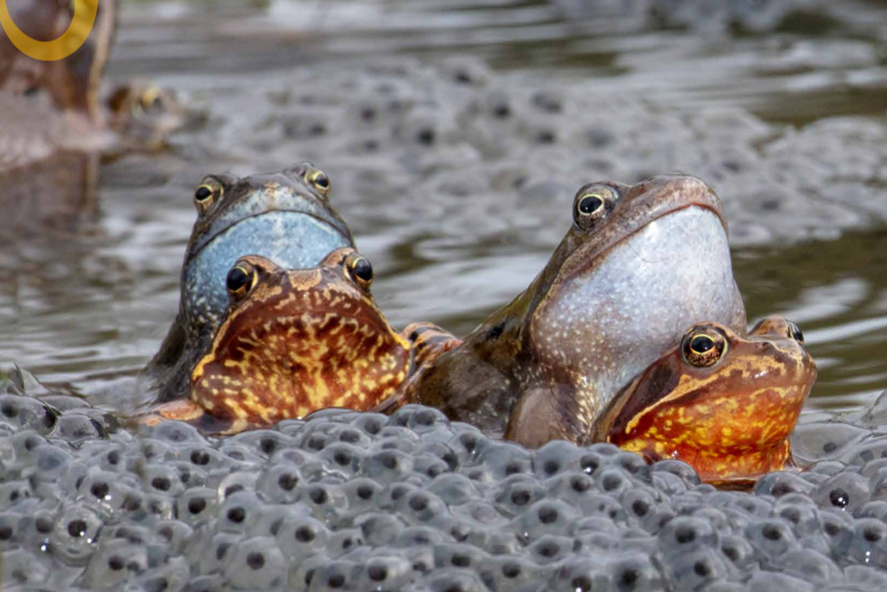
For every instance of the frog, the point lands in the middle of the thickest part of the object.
(294, 341)
(723, 402)
(284, 216)
(639, 264)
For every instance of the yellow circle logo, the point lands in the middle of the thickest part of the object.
(57, 49)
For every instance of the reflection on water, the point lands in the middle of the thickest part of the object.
(91, 309)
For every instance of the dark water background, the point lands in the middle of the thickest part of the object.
(91, 309)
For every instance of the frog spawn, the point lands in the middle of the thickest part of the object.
(351, 501)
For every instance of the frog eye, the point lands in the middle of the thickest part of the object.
(795, 332)
(207, 194)
(703, 348)
(592, 204)
(361, 270)
(319, 181)
(240, 280)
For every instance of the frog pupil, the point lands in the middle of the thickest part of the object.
(321, 180)
(796, 332)
(203, 192)
(363, 270)
(701, 344)
(237, 279)
(590, 204)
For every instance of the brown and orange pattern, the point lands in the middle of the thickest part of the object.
(293, 342)
(723, 403)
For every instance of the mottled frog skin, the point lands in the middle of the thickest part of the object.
(640, 264)
(723, 403)
(296, 341)
(285, 217)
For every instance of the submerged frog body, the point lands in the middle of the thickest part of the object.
(285, 217)
(640, 264)
(54, 129)
(296, 341)
(723, 403)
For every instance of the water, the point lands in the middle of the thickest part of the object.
(457, 229)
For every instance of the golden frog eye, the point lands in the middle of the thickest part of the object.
(704, 348)
(240, 280)
(590, 205)
(361, 270)
(319, 181)
(207, 194)
(150, 100)
(795, 332)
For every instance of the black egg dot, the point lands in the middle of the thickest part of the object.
(611, 482)
(547, 515)
(684, 535)
(629, 577)
(520, 497)
(268, 445)
(161, 483)
(418, 502)
(581, 584)
(640, 508)
(377, 573)
(221, 550)
(551, 467)
(389, 461)
(5, 532)
(831, 529)
(43, 524)
(459, 560)
(548, 550)
(304, 534)
(336, 581)
(318, 495)
(167, 533)
(236, 515)
(349, 436)
(115, 562)
(420, 567)
(287, 481)
(839, 498)
(100, 490)
(589, 464)
(196, 505)
(342, 458)
(309, 575)
(9, 410)
(364, 492)
(77, 528)
(232, 489)
(829, 447)
(113, 457)
(771, 532)
(426, 136)
(701, 569)
(255, 560)
(199, 457)
(511, 570)
(872, 535)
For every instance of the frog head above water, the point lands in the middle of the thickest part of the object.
(639, 265)
(296, 341)
(723, 403)
(285, 217)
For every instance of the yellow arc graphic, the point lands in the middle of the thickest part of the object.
(57, 49)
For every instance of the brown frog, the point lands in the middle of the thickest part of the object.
(295, 341)
(639, 265)
(54, 129)
(723, 403)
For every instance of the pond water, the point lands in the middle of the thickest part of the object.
(781, 109)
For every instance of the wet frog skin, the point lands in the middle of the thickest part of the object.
(296, 341)
(285, 217)
(723, 403)
(639, 265)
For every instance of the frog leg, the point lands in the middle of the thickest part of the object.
(544, 412)
(190, 412)
(427, 343)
